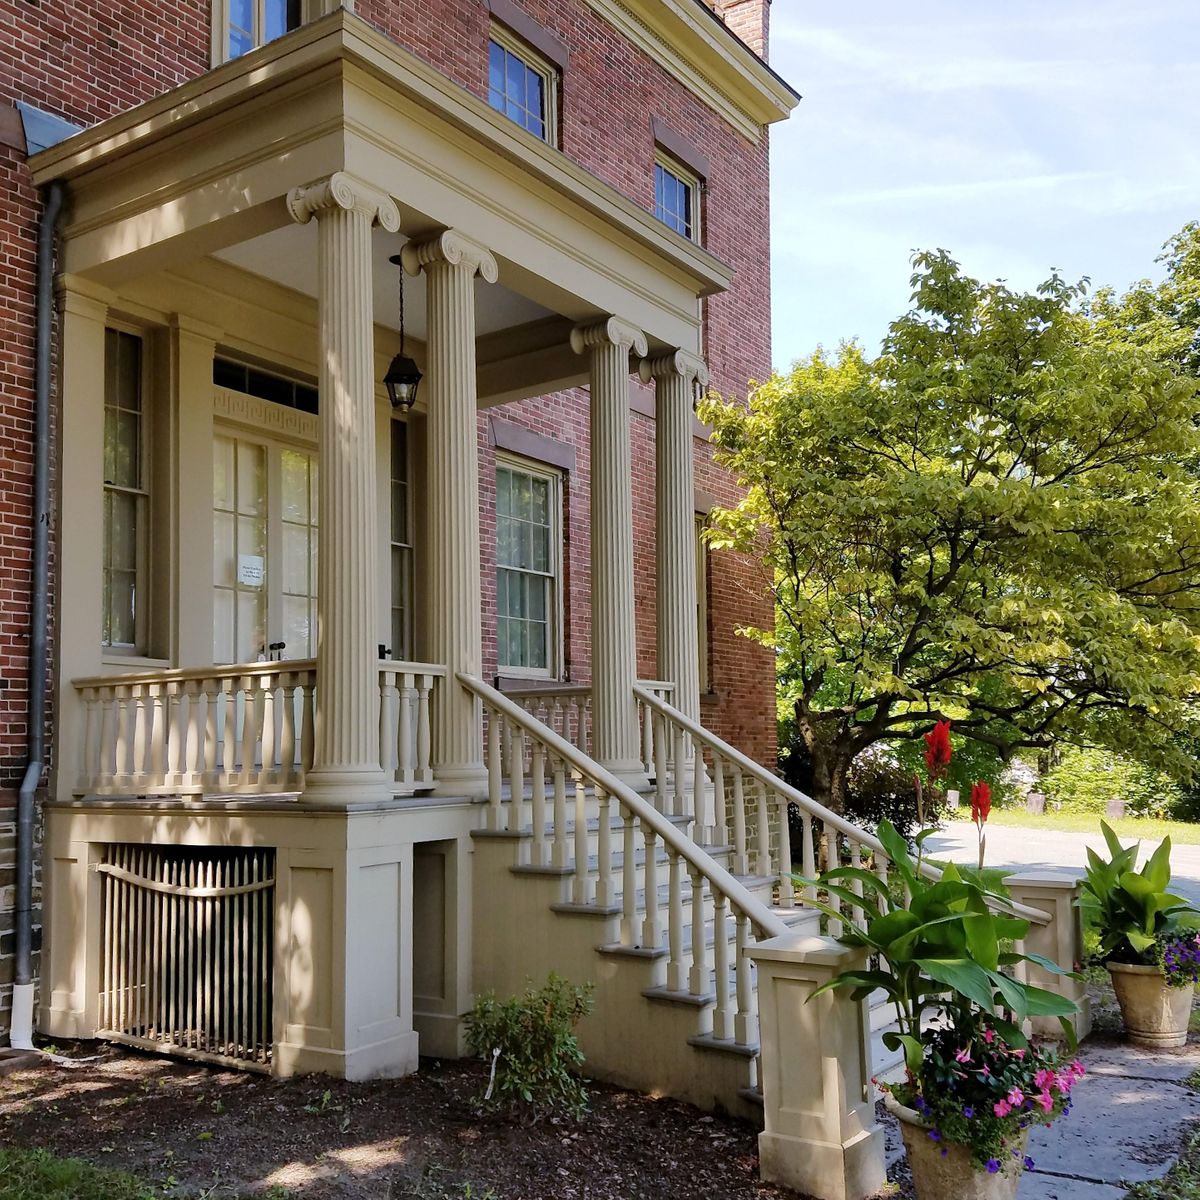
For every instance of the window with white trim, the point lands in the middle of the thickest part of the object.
(702, 601)
(677, 197)
(402, 544)
(528, 569)
(125, 624)
(240, 26)
(522, 85)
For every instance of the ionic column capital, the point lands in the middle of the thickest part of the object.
(610, 332)
(346, 192)
(451, 247)
(679, 363)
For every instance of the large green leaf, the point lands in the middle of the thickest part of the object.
(963, 976)
(914, 1051)
(1157, 871)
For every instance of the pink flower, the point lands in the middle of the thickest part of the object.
(1077, 1069)
(1044, 1078)
(1002, 1108)
(989, 1036)
(1018, 1054)
(1046, 1101)
(963, 1056)
(1015, 1096)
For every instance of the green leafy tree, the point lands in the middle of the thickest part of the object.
(996, 520)
(1086, 778)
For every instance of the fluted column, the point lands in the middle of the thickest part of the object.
(450, 263)
(615, 742)
(346, 751)
(675, 377)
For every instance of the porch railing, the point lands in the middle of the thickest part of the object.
(241, 729)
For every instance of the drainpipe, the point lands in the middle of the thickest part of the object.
(21, 1028)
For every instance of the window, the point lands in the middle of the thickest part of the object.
(522, 85)
(528, 557)
(126, 496)
(276, 388)
(402, 545)
(241, 25)
(676, 196)
(702, 601)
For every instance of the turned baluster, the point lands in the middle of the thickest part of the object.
(832, 859)
(746, 1025)
(787, 888)
(808, 857)
(698, 976)
(741, 859)
(763, 850)
(495, 769)
(857, 915)
(676, 967)
(723, 1026)
(651, 922)
(660, 764)
(581, 882)
(604, 878)
(424, 772)
(629, 882)
(537, 781)
(560, 848)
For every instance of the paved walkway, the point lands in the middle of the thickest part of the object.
(1132, 1111)
(1055, 850)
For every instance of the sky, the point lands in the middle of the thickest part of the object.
(1020, 135)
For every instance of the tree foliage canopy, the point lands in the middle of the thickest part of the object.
(997, 520)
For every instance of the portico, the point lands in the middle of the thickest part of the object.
(247, 217)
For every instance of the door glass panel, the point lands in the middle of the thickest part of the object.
(240, 577)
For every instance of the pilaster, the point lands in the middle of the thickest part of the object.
(450, 262)
(346, 758)
(615, 742)
(675, 377)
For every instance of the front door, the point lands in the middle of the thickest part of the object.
(264, 549)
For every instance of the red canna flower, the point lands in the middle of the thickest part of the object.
(981, 802)
(937, 750)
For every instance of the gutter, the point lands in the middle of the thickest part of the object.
(21, 1028)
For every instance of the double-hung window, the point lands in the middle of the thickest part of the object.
(241, 25)
(124, 623)
(528, 569)
(522, 85)
(677, 198)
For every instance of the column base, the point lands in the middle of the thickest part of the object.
(388, 1059)
(335, 787)
(825, 1170)
(631, 772)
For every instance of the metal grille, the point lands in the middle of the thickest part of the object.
(187, 951)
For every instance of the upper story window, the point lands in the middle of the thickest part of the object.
(522, 85)
(677, 198)
(241, 25)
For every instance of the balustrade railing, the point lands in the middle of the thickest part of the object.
(661, 881)
(241, 729)
(736, 801)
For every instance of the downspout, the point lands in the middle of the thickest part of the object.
(21, 1028)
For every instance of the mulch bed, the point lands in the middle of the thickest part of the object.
(194, 1130)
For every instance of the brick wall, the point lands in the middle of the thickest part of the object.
(86, 60)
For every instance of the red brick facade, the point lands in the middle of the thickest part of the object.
(86, 60)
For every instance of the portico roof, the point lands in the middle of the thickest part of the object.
(209, 165)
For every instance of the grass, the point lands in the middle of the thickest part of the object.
(1181, 832)
(1182, 1182)
(39, 1175)
(36, 1175)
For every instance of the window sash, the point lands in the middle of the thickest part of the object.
(676, 194)
(402, 550)
(522, 85)
(528, 570)
(248, 24)
(126, 500)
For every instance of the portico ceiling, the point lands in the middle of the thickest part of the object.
(288, 256)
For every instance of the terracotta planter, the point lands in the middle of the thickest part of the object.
(952, 1176)
(1155, 1015)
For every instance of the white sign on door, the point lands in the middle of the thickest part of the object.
(250, 570)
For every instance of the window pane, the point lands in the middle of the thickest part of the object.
(241, 13)
(495, 73)
(526, 556)
(277, 18)
(294, 485)
(240, 42)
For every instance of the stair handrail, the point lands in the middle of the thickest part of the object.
(719, 879)
(793, 795)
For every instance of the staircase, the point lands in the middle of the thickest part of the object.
(653, 894)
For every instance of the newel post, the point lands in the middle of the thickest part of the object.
(1060, 940)
(820, 1136)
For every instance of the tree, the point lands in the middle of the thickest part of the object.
(996, 520)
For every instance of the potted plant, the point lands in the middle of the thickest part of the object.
(1148, 938)
(973, 1085)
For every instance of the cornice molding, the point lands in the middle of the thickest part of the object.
(717, 68)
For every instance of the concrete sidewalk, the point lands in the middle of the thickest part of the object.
(1132, 1112)
(1131, 1115)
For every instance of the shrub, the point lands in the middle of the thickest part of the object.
(880, 789)
(1086, 779)
(531, 1042)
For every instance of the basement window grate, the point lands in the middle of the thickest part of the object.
(187, 951)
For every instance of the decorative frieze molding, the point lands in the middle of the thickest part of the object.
(263, 415)
(345, 191)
